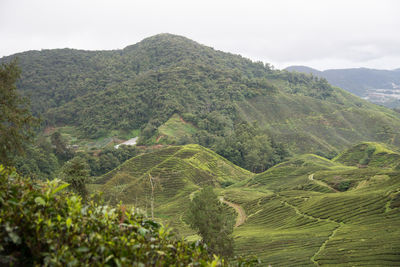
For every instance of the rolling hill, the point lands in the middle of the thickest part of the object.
(303, 212)
(143, 86)
(175, 173)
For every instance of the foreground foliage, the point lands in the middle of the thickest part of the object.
(42, 224)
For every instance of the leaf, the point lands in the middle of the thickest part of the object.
(15, 238)
(152, 223)
(68, 222)
(82, 249)
(160, 252)
(108, 258)
(61, 187)
(142, 231)
(40, 201)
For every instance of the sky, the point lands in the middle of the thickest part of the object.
(323, 34)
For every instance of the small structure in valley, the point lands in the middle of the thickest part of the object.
(130, 142)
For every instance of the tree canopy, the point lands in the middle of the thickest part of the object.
(15, 117)
(208, 216)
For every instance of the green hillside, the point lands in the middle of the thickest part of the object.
(174, 131)
(320, 212)
(142, 86)
(358, 227)
(176, 173)
(369, 154)
(303, 212)
(295, 174)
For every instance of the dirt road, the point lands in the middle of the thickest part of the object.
(241, 218)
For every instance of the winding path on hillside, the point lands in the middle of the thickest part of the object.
(311, 178)
(241, 218)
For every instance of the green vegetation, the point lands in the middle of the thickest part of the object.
(208, 217)
(176, 131)
(15, 118)
(250, 148)
(177, 172)
(76, 173)
(42, 225)
(148, 85)
(371, 154)
(293, 209)
(294, 174)
(305, 220)
(306, 211)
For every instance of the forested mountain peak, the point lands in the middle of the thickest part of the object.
(165, 40)
(143, 85)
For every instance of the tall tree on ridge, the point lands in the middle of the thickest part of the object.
(16, 120)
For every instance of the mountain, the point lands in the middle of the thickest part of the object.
(304, 212)
(378, 86)
(144, 85)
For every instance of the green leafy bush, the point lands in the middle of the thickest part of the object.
(344, 186)
(42, 224)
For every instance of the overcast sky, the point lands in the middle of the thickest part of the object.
(318, 33)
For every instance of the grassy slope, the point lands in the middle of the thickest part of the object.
(377, 155)
(292, 220)
(177, 172)
(174, 130)
(308, 125)
(299, 222)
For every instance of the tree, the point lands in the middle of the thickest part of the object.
(60, 147)
(209, 218)
(76, 172)
(16, 120)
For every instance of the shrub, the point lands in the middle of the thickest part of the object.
(364, 161)
(344, 186)
(42, 224)
(226, 184)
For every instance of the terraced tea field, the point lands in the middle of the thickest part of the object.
(304, 212)
(304, 221)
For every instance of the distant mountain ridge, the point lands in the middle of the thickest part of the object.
(364, 82)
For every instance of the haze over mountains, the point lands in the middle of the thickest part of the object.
(378, 86)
